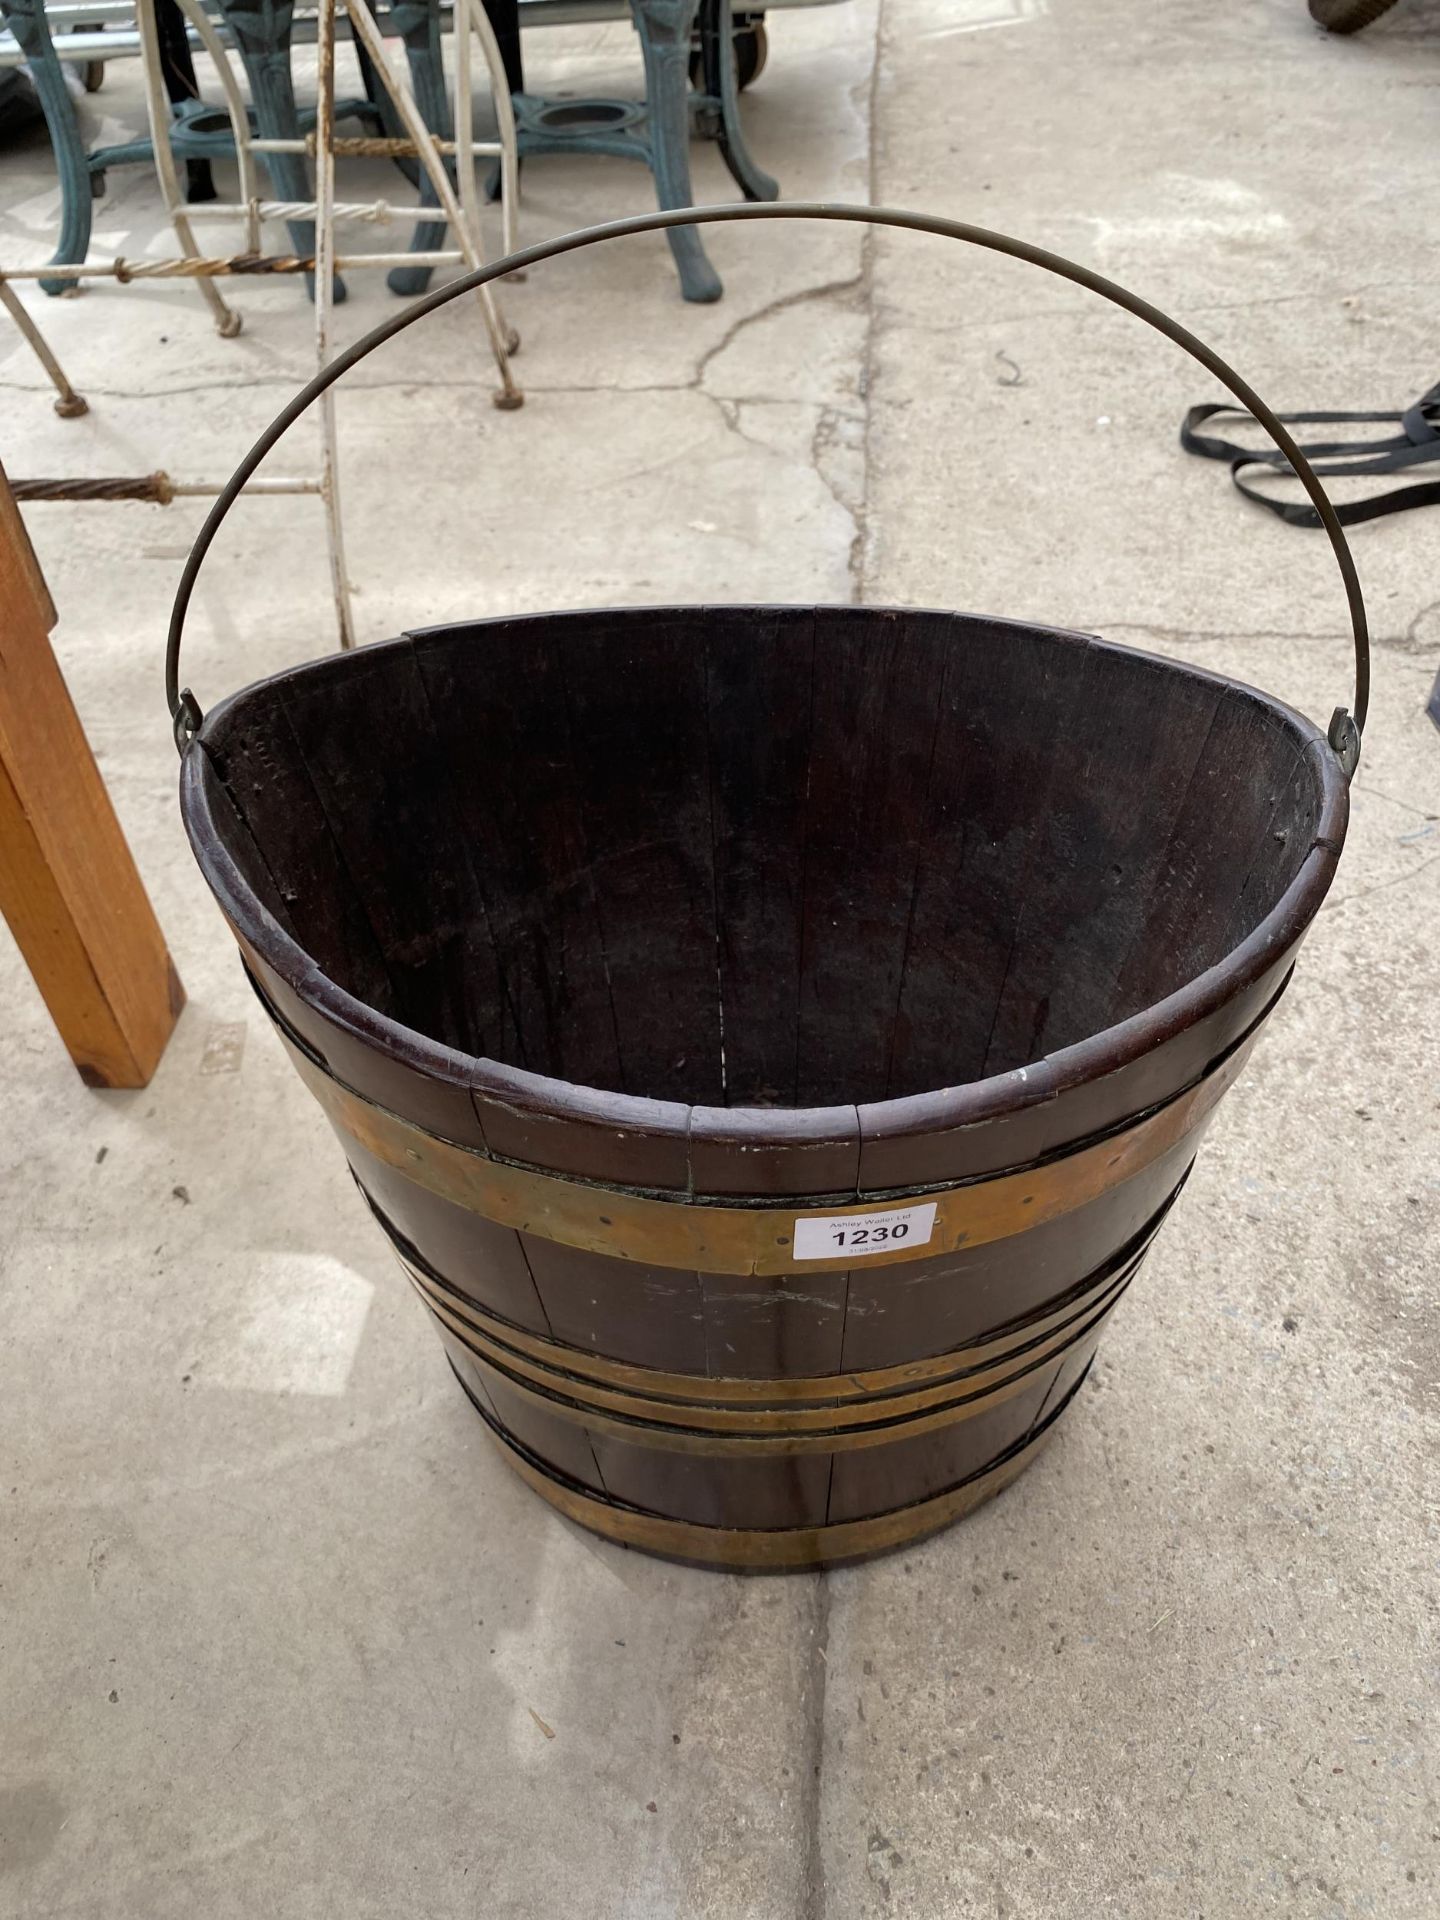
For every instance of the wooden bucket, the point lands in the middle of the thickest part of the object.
(769, 1037)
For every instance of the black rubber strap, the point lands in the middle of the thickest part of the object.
(1416, 444)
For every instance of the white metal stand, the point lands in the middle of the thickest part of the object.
(459, 211)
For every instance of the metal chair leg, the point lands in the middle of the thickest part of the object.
(717, 42)
(324, 280)
(26, 20)
(157, 105)
(665, 28)
(418, 24)
(178, 67)
(503, 340)
(262, 30)
(68, 403)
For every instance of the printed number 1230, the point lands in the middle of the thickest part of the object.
(851, 1236)
(870, 1236)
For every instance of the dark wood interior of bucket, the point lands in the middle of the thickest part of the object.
(755, 857)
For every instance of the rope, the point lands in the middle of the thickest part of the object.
(212, 269)
(376, 145)
(156, 487)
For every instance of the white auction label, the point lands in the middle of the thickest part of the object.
(850, 1236)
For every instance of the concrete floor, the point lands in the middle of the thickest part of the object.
(278, 1627)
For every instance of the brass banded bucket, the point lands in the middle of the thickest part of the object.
(769, 1037)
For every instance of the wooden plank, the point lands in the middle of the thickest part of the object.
(1125, 756)
(776, 1328)
(497, 696)
(877, 688)
(232, 832)
(937, 1306)
(758, 700)
(775, 1491)
(259, 765)
(1039, 735)
(755, 1150)
(1007, 688)
(26, 595)
(875, 1480)
(68, 885)
(370, 750)
(1291, 831)
(559, 1442)
(635, 687)
(480, 1261)
(649, 1316)
(1198, 910)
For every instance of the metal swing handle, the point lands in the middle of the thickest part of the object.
(1346, 725)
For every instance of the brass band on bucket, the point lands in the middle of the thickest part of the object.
(824, 1389)
(760, 1549)
(707, 1429)
(703, 1238)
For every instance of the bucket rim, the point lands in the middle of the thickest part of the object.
(945, 1108)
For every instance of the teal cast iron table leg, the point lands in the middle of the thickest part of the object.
(26, 20)
(262, 30)
(717, 49)
(418, 24)
(665, 28)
